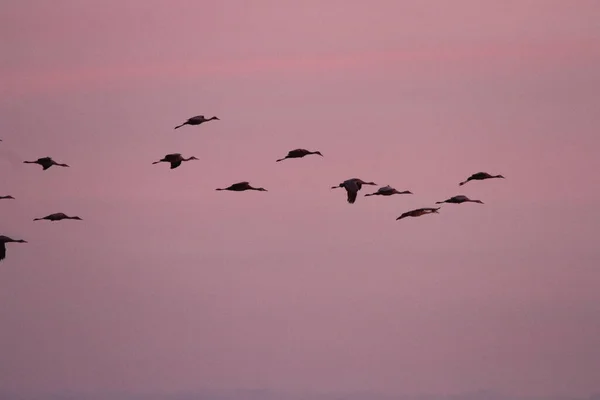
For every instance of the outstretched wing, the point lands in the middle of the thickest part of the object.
(2, 251)
(404, 215)
(239, 186)
(172, 156)
(352, 188)
(175, 164)
(351, 196)
(297, 153)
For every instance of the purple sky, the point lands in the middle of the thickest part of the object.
(168, 284)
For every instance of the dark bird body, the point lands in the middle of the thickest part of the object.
(387, 191)
(197, 120)
(45, 162)
(480, 176)
(418, 212)
(299, 153)
(242, 186)
(175, 159)
(458, 200)
(352, 187)
(3, 241)
(56, 217)
(6, 197)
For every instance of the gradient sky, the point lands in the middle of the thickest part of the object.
(168, 285)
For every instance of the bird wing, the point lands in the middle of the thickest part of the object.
(175, 163)
(352, 187)
(197, 118)
(56, 216)
(404, 215)
(172, 156)
(239, 185)
(2, 251)
(351, 196)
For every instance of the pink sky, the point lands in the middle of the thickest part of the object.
(168, 285)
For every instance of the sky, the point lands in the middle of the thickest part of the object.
(168, 285)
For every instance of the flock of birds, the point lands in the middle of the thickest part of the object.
(352, 186)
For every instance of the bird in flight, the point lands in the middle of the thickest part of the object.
(299, 153)
(45, 162)
(418, 212)
(242, 186)
(56, 217)
(6, 197)
(3, 241)
(480, 176)
(197, 120)
(352, 187)
(387, 191)
(175, 159)
(458, 200)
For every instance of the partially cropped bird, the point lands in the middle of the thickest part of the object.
(242, 186)
(458, 200)
(45, 162)
(387, 191)
(480, 176)
(56, 217)
(352, 187)
(418, 212)
(197, 120)
(3, 241)
(6, 197)
(175, 159)
(299, 153)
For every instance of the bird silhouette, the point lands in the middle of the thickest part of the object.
(175, 159)
(242, 186)
(197, 120)
(418, 212)
(6, 197)
(480, 176)
(299, 153)
(3, 241)
(56, 217)
(352, 187)
(45, 162)
(458, 200)
(387, 191)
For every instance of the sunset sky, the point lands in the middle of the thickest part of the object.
(168, 285)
